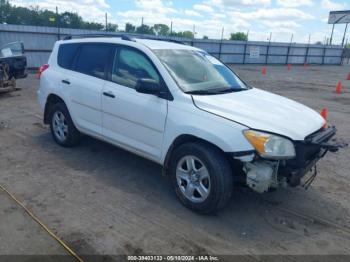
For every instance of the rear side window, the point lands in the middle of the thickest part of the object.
(93, 59)
(66, 55)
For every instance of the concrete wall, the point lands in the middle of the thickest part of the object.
(38, 42)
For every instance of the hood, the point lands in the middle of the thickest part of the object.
(258, 109)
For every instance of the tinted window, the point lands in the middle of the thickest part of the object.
(66, 54)
(93, 59)
(132, 66)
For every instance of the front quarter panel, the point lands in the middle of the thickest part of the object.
(186, 119)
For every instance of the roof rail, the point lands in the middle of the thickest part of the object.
(128, 38)
(163, 39)
(69, 37)
(124, 37)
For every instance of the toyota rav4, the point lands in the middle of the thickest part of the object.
(181, 107)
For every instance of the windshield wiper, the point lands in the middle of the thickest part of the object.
(214, 91)
(200, 92)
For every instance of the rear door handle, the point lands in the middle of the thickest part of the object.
(66, 82)
(109, 94)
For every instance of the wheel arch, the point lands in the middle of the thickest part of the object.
(183, 139)
(51, 100)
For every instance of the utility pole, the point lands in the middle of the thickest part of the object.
(222, 33)
(222, 37)
(142, 21)
(330, 41)
(58, 24)
(171, 27)
(346, 27)
(106, 19)
(194, 30)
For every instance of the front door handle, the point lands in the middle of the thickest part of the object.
(109, 94)
(65, 81)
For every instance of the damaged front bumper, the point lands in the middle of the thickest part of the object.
(262, 175)
(308, 153)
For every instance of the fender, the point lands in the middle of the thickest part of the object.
(222, 133)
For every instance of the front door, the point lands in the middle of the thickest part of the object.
(133, 120)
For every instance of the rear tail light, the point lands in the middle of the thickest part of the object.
(41, 70)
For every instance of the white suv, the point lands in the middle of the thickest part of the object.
(182, 108)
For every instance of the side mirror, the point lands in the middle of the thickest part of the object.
(148, 86)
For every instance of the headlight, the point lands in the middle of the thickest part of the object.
(270, 146)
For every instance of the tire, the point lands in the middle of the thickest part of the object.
(62, 127)
(218, 185)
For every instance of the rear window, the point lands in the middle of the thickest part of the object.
(66, 55)
(93, 59)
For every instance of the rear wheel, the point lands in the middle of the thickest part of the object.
(62, 128)
(201, 176)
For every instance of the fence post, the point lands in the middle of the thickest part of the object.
(245, 50)
(306, 53)
(324, 54)
(288, 50)
(268, 49)
(307, 50)
(220, 44)
(267, 53)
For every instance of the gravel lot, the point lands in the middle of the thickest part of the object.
(104, 200)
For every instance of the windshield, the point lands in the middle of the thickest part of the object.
(197, 72)
(12, 49)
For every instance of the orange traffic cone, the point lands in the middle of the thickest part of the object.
(338, 88)
(263, 70)
(289, 66)
(324, 114)
(348, 78)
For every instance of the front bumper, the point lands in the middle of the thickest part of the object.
(308, 152)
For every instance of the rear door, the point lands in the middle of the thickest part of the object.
(84, 85)
(131, 119)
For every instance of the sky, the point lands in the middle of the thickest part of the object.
(282, 18)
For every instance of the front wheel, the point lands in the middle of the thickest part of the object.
(201, 176)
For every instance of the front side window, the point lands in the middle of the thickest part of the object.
(93, 59)
(198, 72)
(130, 66)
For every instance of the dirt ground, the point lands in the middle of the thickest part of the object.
(104, 200)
